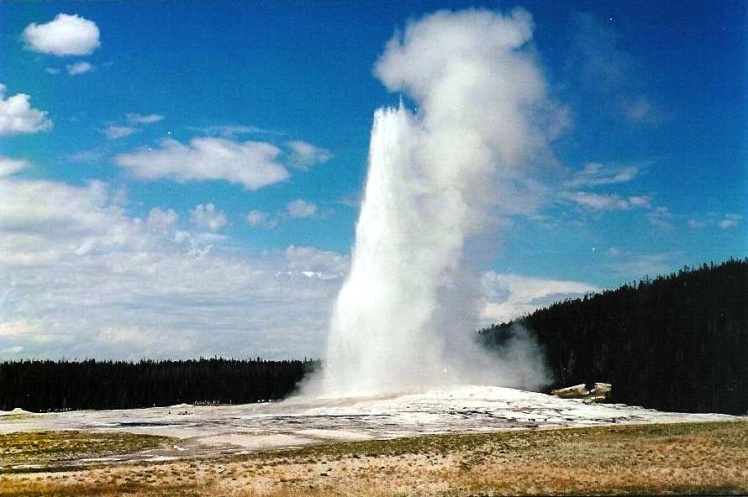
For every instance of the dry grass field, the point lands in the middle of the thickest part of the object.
(688, 458)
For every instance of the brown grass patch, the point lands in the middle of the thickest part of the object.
(45, 449)
(646, 459)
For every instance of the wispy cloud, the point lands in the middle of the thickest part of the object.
(144, 118)
(134, 123)
(721, 221)
(19, 328)
(635, 266)
(232, 131)
(606, 201)
(640, 109)
(88, 156)
(602, 66)
(596, 174)
(584, 186)
(660, 217)
(117, 132)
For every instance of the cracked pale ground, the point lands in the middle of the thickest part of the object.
(336, 448)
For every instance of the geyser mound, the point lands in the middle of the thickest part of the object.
(402, 320)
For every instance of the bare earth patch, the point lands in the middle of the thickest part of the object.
(675, 458)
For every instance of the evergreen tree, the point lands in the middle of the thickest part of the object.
(675, 343)
(40, 386)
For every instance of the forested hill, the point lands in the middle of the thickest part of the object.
(675, 343)
(61, 385)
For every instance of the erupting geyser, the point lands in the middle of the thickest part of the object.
(403, 317)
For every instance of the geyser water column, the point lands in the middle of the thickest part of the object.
(404, 316)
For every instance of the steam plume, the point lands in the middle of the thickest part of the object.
(403, 317)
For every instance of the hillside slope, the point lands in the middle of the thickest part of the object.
(675, 343)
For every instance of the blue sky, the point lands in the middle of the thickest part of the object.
(182, 179)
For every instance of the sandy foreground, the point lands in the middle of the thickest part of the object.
(458, 441)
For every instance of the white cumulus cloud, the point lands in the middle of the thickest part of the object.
(162, 220)
(509, 296)
(148, 288)
(260, 219)
(313, 261)
(697, 223)
(305, 154)
(11, 166)
(151, 289)
(79, 68)
(300, 208)
(63, 36)
(17, 116)
(251, 164)
(729, 221)
(208, 217)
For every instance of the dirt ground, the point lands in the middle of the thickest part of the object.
(681, 458)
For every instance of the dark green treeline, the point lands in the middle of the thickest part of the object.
(60, 385)
(675, 343)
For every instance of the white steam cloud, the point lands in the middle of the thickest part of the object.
(403, 318)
